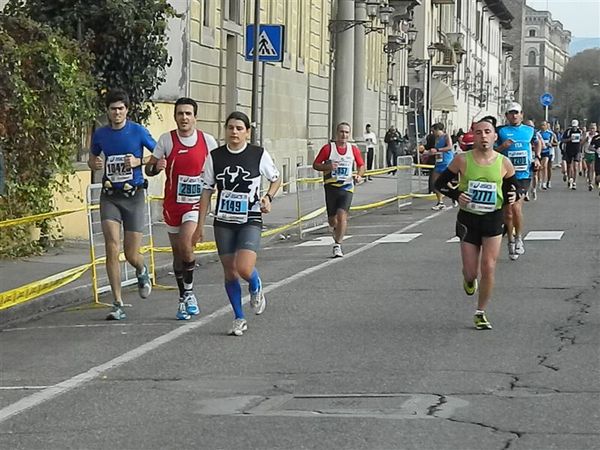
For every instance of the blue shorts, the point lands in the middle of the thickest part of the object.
(230, 239)
(440, 168)
(547, 155)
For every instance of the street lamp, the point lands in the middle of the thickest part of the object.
(374, 11)
(431, 49)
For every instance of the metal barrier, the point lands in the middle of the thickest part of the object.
(309, 199)
(100, 282)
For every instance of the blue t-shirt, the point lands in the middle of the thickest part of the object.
(547, 136)
(520, 152)
(443, 158)
(116, 144)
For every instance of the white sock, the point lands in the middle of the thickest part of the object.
(479, 311)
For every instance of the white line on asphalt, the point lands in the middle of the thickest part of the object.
(22, 388)
(88, 325)
(63, 387)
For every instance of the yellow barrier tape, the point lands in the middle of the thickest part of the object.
(38, 217)
(37, 288)
(374, 205)
(424, 166)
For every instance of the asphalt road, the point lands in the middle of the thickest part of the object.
(375, 350)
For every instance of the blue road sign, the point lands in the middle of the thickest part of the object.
(546, 99)
(270, 43)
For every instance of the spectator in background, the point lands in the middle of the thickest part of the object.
(371, 141)
(393, 139)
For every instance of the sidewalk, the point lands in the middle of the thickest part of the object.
(16, 273)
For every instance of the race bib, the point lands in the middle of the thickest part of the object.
(483, 196)
(576, 138)
(189, 189)
(343, 172)
(518, 158)
(233, 207)
(116, 171)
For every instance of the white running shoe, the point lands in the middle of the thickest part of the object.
(337, 251)
(519, 245)
(574, 186)
(191, 303)
(544, 186)
(534, 194)
(258, 301)
(570, 183)
(512, 253)
(238, 327)
(438, 207)
(549, 185)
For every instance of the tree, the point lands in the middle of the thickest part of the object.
(578, 94)
(46, 94)
(127, 39)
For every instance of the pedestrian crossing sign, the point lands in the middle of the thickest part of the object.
(270, 43)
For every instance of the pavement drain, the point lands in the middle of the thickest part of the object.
(381, 406)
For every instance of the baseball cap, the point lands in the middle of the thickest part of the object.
(574, 123)
(514, 107)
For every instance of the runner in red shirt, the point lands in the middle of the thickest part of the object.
(182, 152)
(336, 161)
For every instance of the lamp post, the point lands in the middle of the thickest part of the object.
(431, 49)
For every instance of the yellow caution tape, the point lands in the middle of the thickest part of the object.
(374, 205)
(38, 217)
(41, 287)
(424, 166)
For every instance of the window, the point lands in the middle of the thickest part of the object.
(531, 33)
(531, 58)
(206, 13)
(459, 9)
(233, 11)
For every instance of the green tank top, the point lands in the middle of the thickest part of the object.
(483, 184)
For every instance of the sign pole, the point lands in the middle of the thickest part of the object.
(255, 59)
(546, 113)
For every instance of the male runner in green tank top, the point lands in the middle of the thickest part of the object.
(487, 181)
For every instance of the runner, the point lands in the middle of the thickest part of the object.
(534, 169)
(515, 142)
(122, 201)
(549, 141)
(443, 157)
(336, 161)
(235, 170)
(589, 155)
(487, 181)
(182, 153)
(595, 144)
(572, 140)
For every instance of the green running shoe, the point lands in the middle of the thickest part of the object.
(481, 322)
(470, 288)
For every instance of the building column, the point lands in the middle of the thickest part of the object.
(343, 89)
(360, 11)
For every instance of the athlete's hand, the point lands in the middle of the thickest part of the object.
(358, 179)
(512, 194)
(161, 164)
(507, 143)
(265, 205)
(96, 162)
(536, 164)
(198, 235)
(131, 161)
(464, 199)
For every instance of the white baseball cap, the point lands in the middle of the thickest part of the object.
(574, 123)
(514, 107)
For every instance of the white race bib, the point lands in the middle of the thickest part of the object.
(233, 207)
(343, 172)
(189, 189)
(576, 138)
(116, 171)
(518, 158)
(483, 196)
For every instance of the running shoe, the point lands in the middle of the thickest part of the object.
(565, 177)
(544, 186)
(182, 313)
(574, 186)
(470, 288)
(238, 328)
(454, 204)
(258, 302)
(191, 303)
(143, 282)
(512, 252)
(116, 312)
(438, 207)
(519, 245)
(337, 251)
(534, 194)
(549, 185)
(570, 183)
(590, 187)
(526, 196)
(481, 322)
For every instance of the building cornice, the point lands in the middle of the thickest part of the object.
(501, 11)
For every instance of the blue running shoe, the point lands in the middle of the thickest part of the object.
(143, 282)
(116, 313)
(191, 303)
(182, 313)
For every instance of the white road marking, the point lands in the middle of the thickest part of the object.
(544, 236)
(63, 387)
(320, 241)
(22, 388)
(397, 238)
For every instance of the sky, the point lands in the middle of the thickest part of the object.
(580, 17)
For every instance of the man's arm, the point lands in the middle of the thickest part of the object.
(321, 161)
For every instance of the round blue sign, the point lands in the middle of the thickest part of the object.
(546, 99)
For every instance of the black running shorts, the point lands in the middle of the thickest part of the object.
(472, 228)
(337, 198)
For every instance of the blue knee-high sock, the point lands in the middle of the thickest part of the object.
(254, 283)
(234, 292)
